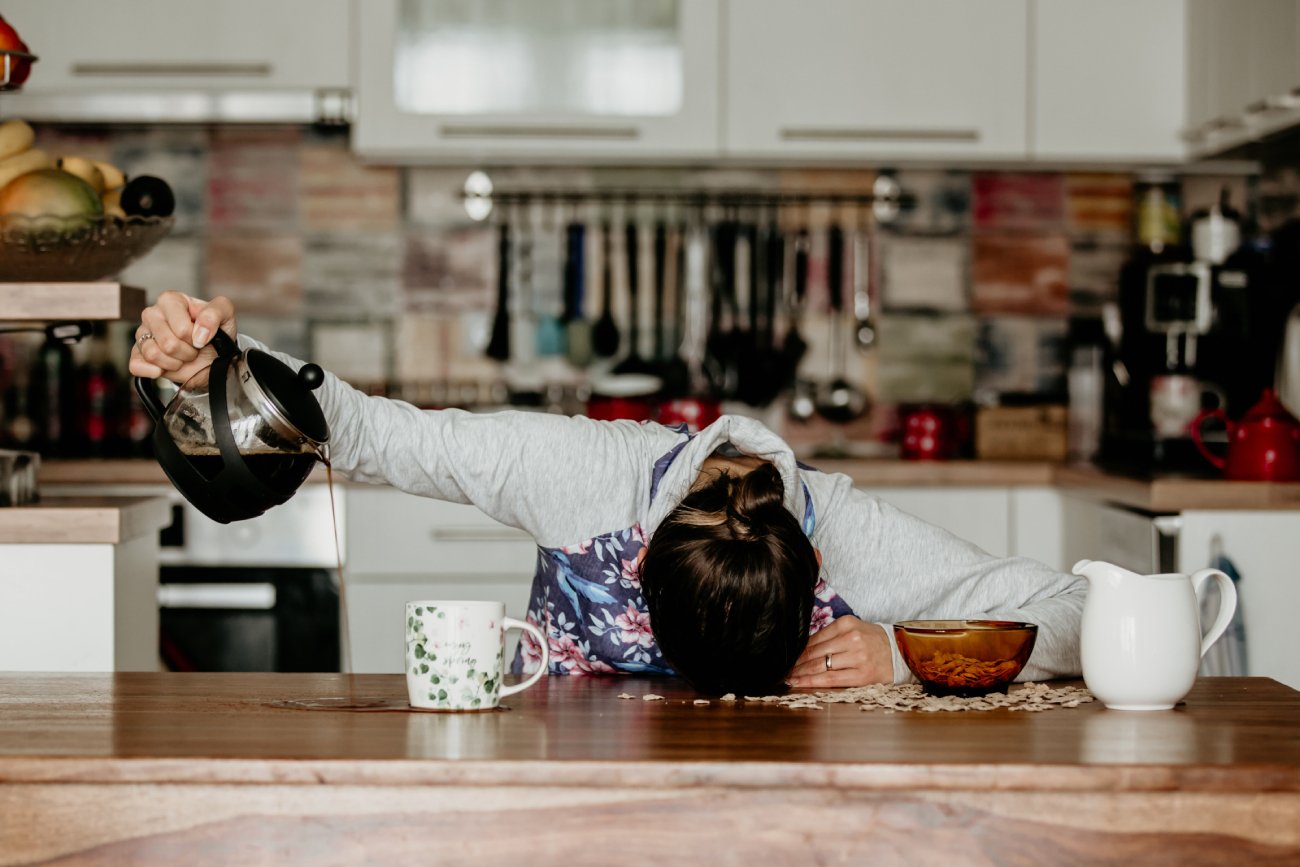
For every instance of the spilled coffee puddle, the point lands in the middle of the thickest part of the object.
(378, 705)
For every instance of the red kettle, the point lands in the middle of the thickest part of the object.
(1263, 446)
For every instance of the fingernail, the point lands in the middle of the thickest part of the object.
(200, 337)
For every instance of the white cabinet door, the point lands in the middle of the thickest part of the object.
(389, 532)
(1243, 69)
(978, 515)
(192, 59)
(875, 78)
(595, 79)
(1108, 79)
(1264, 546)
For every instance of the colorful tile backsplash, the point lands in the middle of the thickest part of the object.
(379, 272)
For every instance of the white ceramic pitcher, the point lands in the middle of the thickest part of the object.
(1141, 637)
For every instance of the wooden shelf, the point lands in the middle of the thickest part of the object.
(44, 302)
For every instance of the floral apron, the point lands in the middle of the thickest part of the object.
(586, 598)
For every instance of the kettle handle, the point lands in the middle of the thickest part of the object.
(224, 344)
(1200, 443)
(1227, 603)
(149, 397)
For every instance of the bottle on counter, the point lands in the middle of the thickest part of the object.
(52, 398)
(98, 403)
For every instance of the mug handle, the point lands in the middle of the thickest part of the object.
(1196, 434)
(1227, 603)
(511, 623)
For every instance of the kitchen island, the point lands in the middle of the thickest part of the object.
(148, 769)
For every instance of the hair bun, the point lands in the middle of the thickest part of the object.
(754, 495)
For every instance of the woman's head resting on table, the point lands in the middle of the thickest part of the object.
(728, 580)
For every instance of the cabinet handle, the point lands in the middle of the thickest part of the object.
(473, 534)
(202, 70)
(816, 133)
(466, 130)
(1279, 102)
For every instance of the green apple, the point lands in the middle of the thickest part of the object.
(53, 195)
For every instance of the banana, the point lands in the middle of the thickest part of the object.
(15, 137)
(114, 178)
(113, 204)
(21, 164)
(84, 169)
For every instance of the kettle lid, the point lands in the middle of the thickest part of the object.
(290, 393)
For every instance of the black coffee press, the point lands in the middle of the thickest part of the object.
(240, 436)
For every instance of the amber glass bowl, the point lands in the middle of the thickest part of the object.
(965, 657)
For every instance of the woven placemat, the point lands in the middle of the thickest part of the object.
(891, 697)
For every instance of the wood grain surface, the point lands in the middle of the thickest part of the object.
(83, 520)
(330, 769)
(28, 302)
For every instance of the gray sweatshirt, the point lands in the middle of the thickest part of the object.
(568, 479)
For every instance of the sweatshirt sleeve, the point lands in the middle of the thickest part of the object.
(891, 566)
(561, 479)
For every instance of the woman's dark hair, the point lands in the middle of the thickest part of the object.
(728, 582)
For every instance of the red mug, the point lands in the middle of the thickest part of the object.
(928, 433)
(1263, 446)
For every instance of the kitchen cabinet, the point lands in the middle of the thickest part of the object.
(78, 584)
(875, 78)
(1107, 80)
(164, 61)
(1243, 72)
(596, 79)
(402, 547)
(979, 515)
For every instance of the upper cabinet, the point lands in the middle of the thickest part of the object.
(1108, 79)
(164, 60)
(875, 78)
(603, 79)
(1243, 72)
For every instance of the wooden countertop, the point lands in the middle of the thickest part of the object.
(267, 768)
(1156, 494)
(1232, 733)
(84, 520)
(28, 302)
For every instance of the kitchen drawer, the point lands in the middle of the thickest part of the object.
(389, 532)
(978, 515)
(376, 606)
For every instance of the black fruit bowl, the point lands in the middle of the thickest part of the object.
(46, 250)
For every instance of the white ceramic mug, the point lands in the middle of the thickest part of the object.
(455, 654)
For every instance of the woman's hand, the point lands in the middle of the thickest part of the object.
(859, 654)
(174, 333)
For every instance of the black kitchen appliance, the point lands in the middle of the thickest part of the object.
(1188, 337)
(241, 435)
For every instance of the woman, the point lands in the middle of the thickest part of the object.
(715, 556)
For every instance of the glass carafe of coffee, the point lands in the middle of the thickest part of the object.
(240, 436)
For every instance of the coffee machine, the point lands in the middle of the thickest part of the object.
(1181, 339)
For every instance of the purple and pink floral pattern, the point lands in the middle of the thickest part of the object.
(586, 598)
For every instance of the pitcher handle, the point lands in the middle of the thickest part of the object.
(511, 623)
(1195, 428)
(1227, 603)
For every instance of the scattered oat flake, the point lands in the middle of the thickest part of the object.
(650, 696)
(731, 696)
(700, 701)
(625, 695)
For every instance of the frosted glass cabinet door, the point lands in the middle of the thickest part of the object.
(894, 78)
(449, 79)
